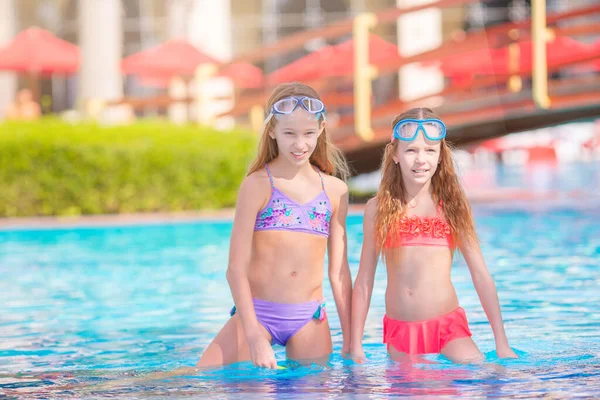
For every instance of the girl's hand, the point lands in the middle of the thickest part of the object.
(261, 352)
(505, 352)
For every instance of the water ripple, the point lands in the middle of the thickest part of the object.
(95, 312)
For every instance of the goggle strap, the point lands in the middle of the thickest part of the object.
(267, 120)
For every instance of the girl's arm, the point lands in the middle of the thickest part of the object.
(486, 290)
(339, 271)
(363, 286)
(247, 206)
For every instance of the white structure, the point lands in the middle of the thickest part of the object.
(209, 29)
(8, 80)
(178, 18)
(419, 32)
(100, 41)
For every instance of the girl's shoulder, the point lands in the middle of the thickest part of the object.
(255, 191)
(334, 184)
(371, 207)
(257, 181)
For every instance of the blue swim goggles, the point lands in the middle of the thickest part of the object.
(288, 105)
(408, 129)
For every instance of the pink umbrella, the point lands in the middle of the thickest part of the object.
(593, 65)
(37, 51)
(309, 67)
(380, 52)
(172, 58)
(462, 66)
(332, 61)
(465, 66)
(243, 75)
(560, 50)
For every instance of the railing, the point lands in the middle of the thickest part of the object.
(483, 96)
(499, 36)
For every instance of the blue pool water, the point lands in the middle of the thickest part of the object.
(92, 311)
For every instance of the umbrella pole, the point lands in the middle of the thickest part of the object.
(189, 102)
(34, 86)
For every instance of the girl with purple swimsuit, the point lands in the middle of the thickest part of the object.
(291, 210)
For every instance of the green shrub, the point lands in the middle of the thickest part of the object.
(55, 168)
(357, 196)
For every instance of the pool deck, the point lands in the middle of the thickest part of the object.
(498, 197)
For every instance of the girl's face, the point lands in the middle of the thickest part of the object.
(296, 135)
(417, 159)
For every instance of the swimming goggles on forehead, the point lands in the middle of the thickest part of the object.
(288, 105)
(408, 129)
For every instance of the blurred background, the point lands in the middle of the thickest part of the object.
(143, 116)
(117, 73)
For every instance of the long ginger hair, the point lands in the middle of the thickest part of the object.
(392, 203)
(326, 156)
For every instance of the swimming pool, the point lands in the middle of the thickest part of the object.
(85, 308)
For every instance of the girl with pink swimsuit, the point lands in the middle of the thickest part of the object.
(419, 217)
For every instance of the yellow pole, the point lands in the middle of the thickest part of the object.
(514, 57)
(363, 74)
(540, 67)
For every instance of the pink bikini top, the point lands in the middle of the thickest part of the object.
(421, 231)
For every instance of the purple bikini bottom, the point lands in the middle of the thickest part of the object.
(283, 321)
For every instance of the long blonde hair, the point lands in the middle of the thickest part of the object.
(392, 201)
(326, 156)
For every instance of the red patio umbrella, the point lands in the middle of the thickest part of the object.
(560, 50)
(37, 51)
(307, 68)
(593, 65)
(172, 58)
(462, 67)
(331, 61)
(154, 81)
(380, 51)
(243, 75)
(466, 65)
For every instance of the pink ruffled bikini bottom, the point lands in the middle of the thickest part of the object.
(428, 336)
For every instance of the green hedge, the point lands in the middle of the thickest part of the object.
(55, 168)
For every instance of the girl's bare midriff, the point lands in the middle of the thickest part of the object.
(419, 285)
(287, 267)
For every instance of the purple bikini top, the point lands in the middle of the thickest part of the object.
(282, 213)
